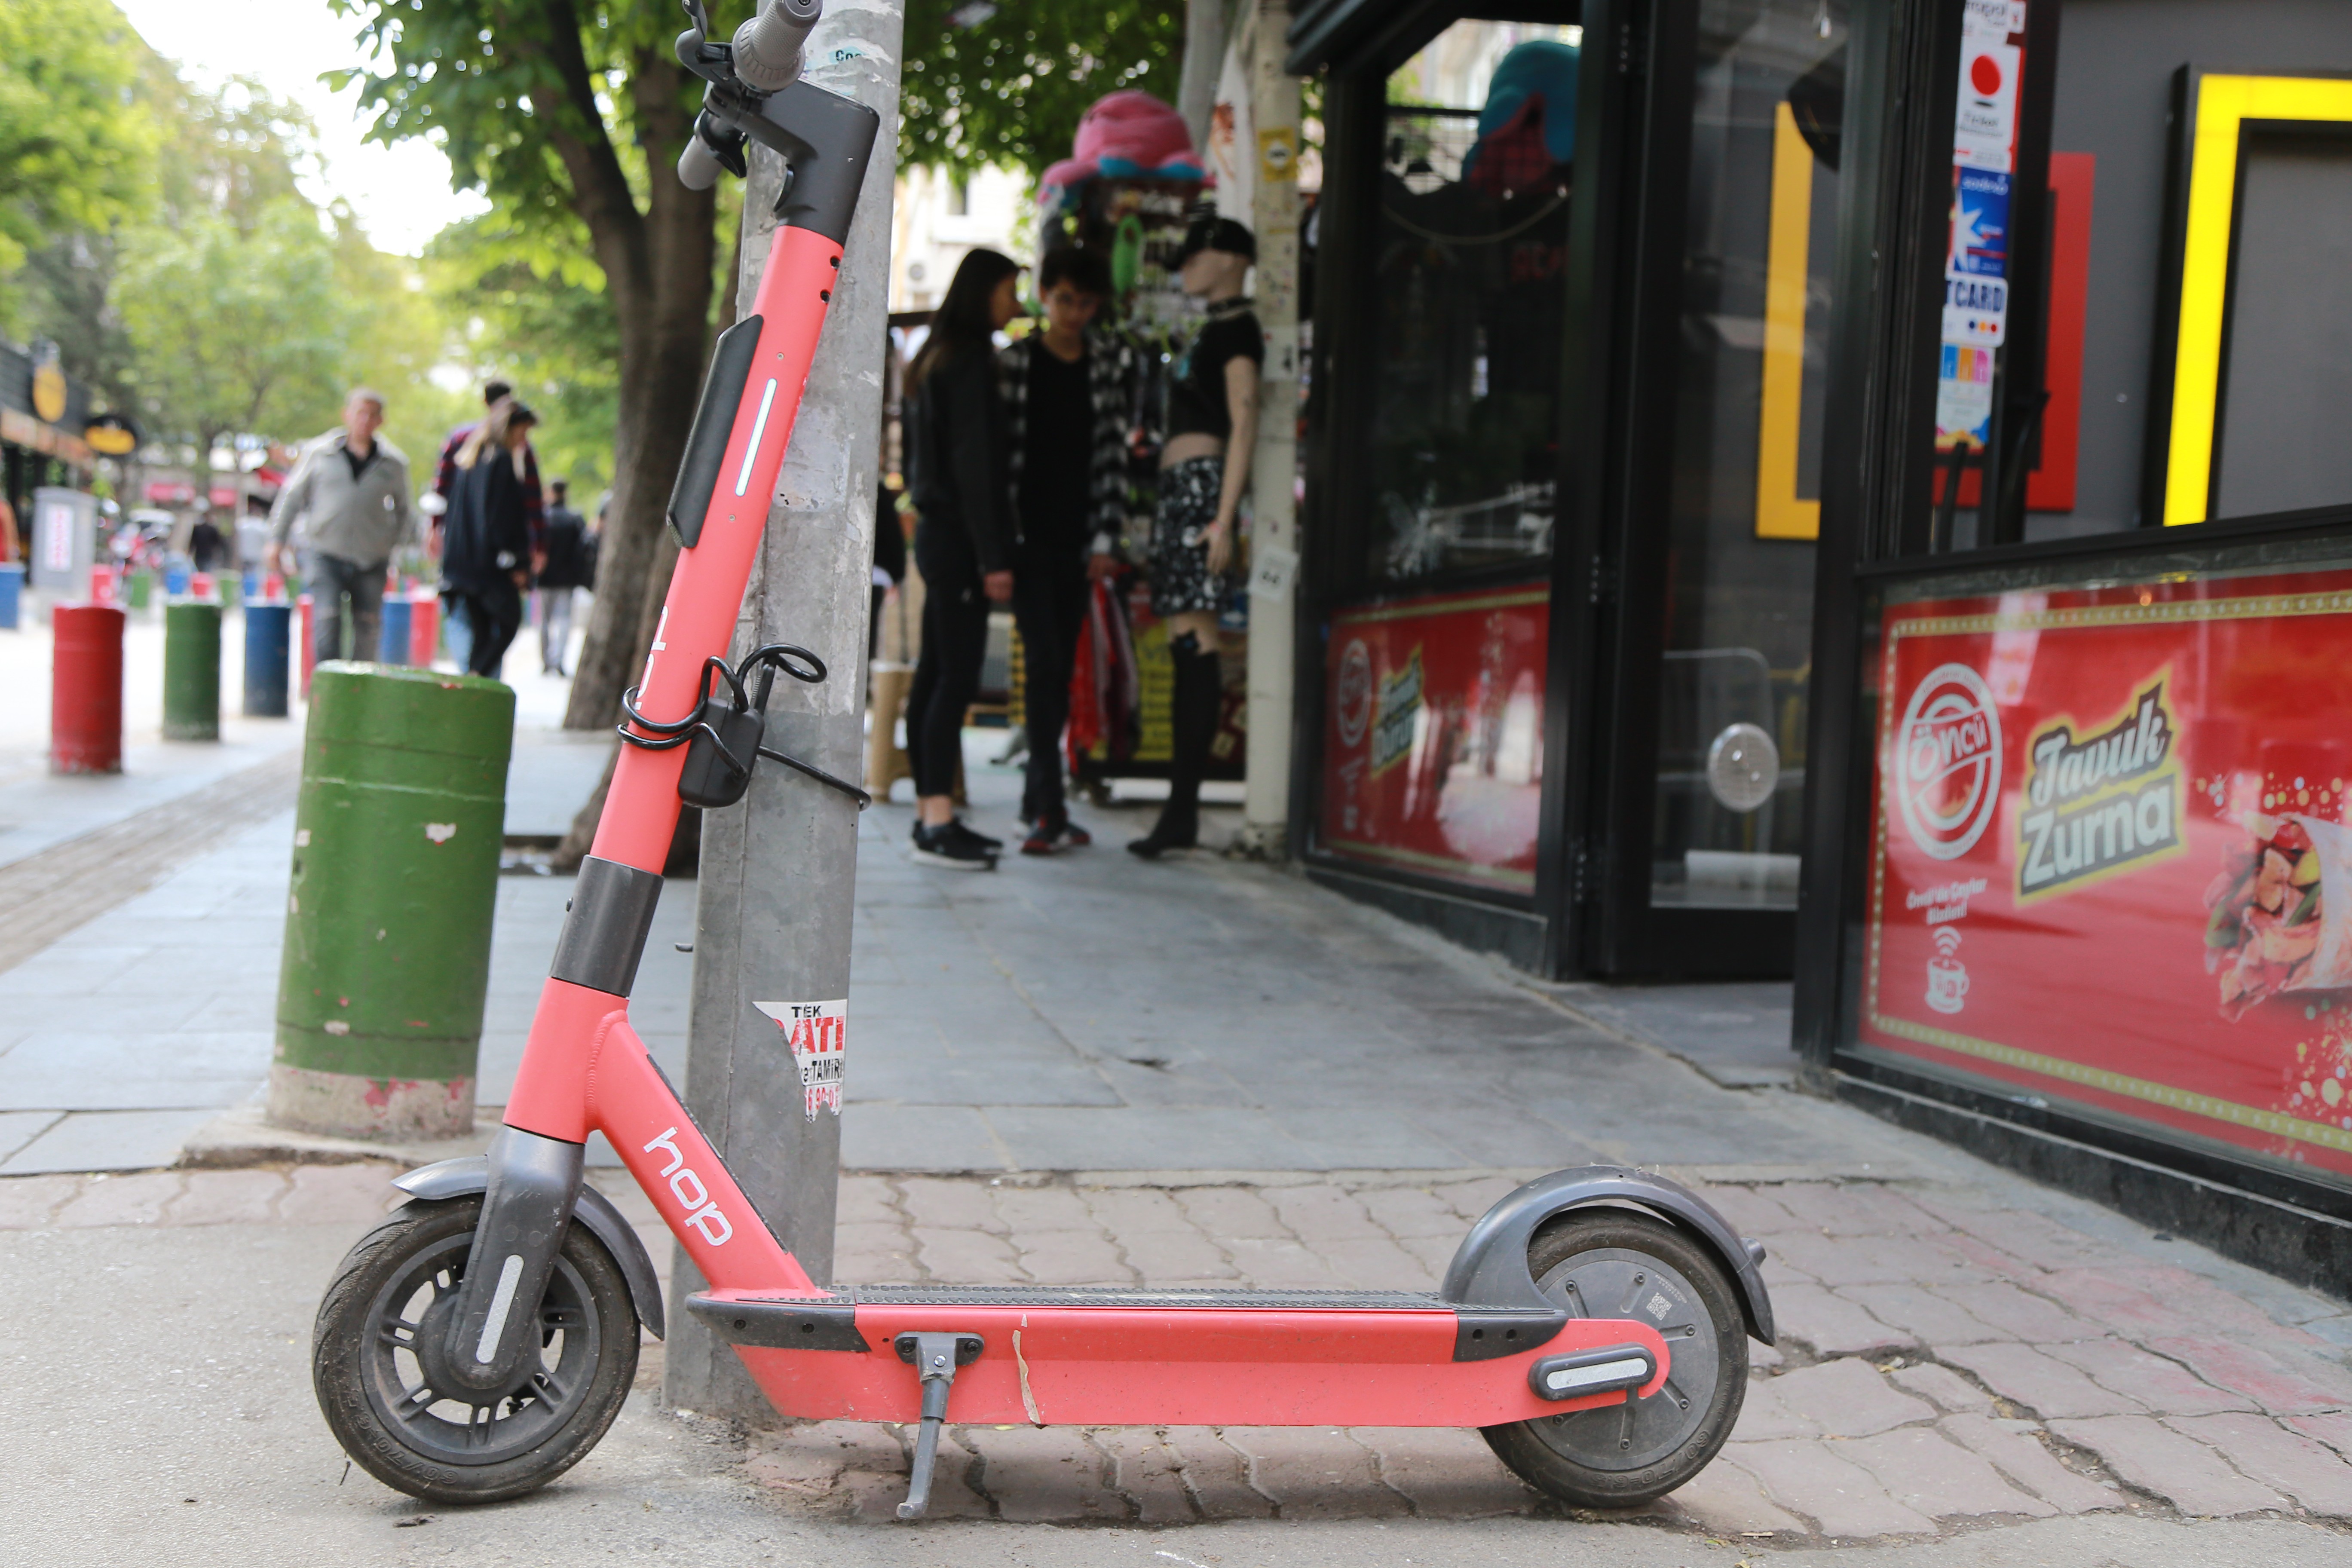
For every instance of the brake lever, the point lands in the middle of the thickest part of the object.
(712, 60)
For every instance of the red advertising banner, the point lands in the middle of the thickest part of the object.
(2112, 860)
(1432, 741)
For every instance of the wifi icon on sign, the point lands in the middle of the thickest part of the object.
(1948, 977)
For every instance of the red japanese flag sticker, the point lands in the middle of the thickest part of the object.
(817, 1032)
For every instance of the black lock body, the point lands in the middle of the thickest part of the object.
(719, 758)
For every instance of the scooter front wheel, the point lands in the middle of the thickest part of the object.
(378, 1362)
(1616, 1263)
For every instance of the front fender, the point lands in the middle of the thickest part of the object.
(471, 1175)
(1490, 1267)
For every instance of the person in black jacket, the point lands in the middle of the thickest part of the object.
(560, 579)
(1065, 392)
(960, 479)
(486, 537)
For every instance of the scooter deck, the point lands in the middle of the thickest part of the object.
(1095, 1357)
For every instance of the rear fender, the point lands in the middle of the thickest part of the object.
(1490, 1267)
(471, 1175)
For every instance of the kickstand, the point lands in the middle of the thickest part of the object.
(935, 1358)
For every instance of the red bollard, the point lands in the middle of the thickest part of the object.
(85, 691)
(309, 650)
(424, 627)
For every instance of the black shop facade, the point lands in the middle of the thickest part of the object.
(1848, 490)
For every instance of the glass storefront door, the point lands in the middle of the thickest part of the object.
(1746, 441)
(1723, 506)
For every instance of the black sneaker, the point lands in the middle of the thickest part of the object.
(990, 846)
(946, 847)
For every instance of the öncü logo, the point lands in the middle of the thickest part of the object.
(1947, 761)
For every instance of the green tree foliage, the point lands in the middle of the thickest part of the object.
(1009, 90)
(238, 329)
(536, 316)
(231, 152)
(530, 303)
(398, 335)
(74, 145)
(226, 154)
(169, 252)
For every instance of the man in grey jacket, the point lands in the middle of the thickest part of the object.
(349, 493)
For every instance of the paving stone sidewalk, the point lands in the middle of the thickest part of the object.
(1948, 1361)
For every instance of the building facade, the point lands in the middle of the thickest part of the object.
(1847, 488)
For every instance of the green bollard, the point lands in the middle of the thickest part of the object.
(142, 590)
(387, 957)
(192, 634)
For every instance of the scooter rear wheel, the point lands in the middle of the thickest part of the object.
(1616, 1263)
(377, 1345)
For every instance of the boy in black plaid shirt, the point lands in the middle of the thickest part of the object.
(1066, 391)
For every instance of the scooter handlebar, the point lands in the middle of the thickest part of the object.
(699, 167)
(768, 47)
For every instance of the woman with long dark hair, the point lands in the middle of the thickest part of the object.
(958, 476)
(486, 549)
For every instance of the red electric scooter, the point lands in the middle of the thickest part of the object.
(477, 1344)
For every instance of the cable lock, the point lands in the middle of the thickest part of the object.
(723, 733)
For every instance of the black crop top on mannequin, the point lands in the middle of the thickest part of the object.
(1197, 404)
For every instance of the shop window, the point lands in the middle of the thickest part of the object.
(2144, 321)
(1477, 160)
(1744, 509)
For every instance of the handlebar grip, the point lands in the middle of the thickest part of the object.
(768, 47)
(699, 167)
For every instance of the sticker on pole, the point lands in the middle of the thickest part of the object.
(816, 1031)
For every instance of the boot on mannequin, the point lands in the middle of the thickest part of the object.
(1194, 711)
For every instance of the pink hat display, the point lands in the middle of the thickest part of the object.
(1127, 133)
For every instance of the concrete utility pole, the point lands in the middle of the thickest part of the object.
(777, 871)
(1204, 58)
(1274, 524)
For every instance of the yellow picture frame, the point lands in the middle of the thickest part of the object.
(2222, 106)
(1780, 512)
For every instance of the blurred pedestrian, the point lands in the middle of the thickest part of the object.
(889, 563)
(349, 494)
(1065, 391)
(957, 460)
(595, 546)
(485, 539)
(561, 578)
(459, 635)
(208, 549)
